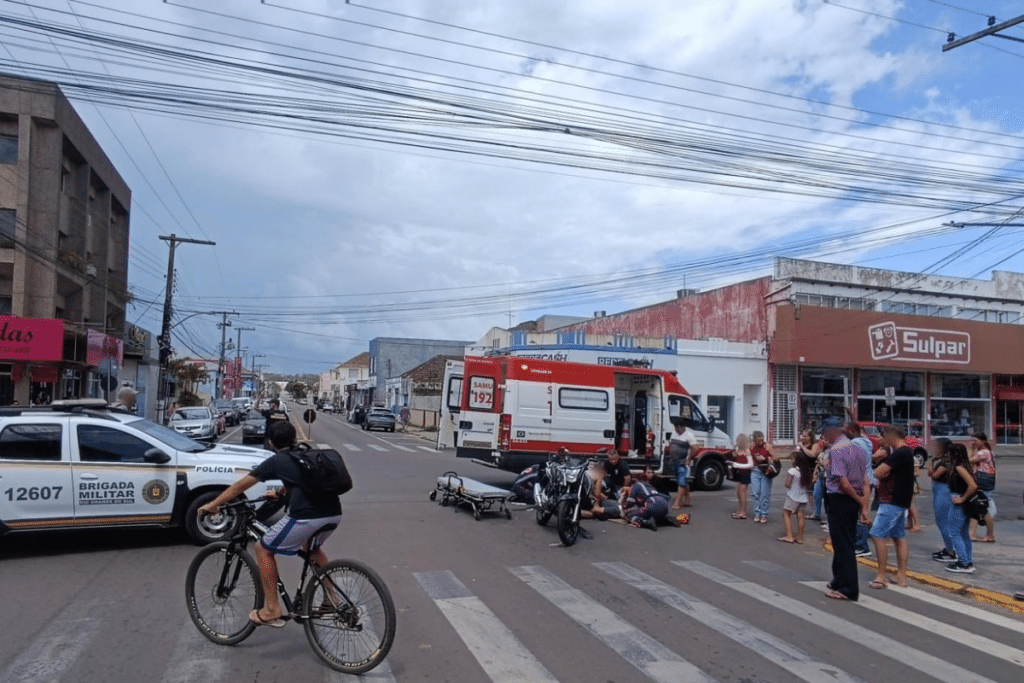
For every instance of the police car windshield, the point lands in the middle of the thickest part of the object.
(170, 437)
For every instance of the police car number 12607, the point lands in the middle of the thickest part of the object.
(34, 493)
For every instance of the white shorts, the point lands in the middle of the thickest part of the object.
(792, 505)
(289, 535)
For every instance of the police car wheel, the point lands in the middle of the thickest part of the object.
(211, 528)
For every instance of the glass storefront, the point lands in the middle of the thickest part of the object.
(824, 393)
(909, 394)
(961, 404)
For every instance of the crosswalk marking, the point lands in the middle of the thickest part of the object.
(381, 674)
(940, 628)
(495, 647)
(798, 662)
(194, 658)
(54, 651)
(402, 448)
(376, 447)
(925, 663)
(648, 655)
(351, 447)
(964, 609)
(428, 449)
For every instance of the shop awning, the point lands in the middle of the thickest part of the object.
(45, 373)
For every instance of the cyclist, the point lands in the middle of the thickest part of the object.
(297, 530)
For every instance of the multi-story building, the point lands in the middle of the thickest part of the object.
(944, 356)
(64, 219)
(347, 384)
(392, 356)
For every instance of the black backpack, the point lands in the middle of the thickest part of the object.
(323, 471)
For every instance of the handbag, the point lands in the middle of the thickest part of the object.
(986, 481)
(976, 506)
(769, 469)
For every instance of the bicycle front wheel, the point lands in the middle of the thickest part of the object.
(350, 616)
(222, 588)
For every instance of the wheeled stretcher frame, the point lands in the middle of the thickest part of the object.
(456, 490)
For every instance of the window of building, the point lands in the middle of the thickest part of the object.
(823, 393)
(105, 444)
(8, 149)
(908, 395)
(784, 402)
(6, 306)
(960, 404)
(841, 302)
(353, 373)
(8, 227)
(30, 442)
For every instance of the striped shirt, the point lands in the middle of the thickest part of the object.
(845, 459)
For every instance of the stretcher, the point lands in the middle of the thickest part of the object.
(455, 490)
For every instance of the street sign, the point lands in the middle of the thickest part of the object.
(890, 396)
(309, 417)
(791, 399)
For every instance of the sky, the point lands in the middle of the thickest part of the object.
(433, 169)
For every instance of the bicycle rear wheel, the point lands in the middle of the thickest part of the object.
(221, 588)
(351, 617)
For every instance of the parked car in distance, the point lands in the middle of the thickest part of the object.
(254, 427)
(244, 405)
(196, 422)
(230, 410)
(379, 418)
(328, 407)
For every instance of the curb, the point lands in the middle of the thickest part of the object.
(982, 595)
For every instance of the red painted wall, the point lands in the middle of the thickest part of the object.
(735, 313)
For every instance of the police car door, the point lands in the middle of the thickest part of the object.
(35, 473)
(112, 478)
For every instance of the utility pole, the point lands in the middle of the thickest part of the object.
(256, 387)
(993, 30)
(165, 330)
(238, 354)
(224, 324)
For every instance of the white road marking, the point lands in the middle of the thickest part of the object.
(382, 674)
(794, 660)
(376, 447)
(401, 448)
(351, 447)
(428, 449)
(648, 655)
(194, 658)
(500, 654)
(962, 609)
(939, 628)
(54, 651)
(935, 667)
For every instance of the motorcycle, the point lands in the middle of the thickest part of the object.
(560, 490)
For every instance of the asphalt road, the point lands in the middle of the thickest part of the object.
(497, 600)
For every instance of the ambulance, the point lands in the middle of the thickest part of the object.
(511, 412)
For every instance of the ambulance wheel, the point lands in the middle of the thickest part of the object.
(433, 495)
(508, 514)
(476, 515)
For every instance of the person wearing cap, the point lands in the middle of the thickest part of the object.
(849, 496)
(126, 399)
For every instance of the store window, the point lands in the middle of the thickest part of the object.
(824, 393)
(8, 227)
(908, 398)
(961, 404)
(8, 149)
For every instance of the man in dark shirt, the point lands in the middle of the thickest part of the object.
(273, 416)
(617, 473)
(302, 528)
(895, 492)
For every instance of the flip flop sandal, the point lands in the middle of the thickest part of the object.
(878, 585)
(786, 540)
(836, 595)
(255, 618)
(737, 515)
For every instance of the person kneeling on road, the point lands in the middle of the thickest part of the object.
(598, 505)
(642, 505)
(299, 529)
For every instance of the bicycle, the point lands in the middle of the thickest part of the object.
(344, 606)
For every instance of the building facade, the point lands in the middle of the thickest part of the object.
(390, 357)
(943, 356)
(64, 223)
(347, 384)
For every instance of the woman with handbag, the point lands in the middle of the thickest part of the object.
(962, 488)
(938, 472)
(985, 475)
(766, 468)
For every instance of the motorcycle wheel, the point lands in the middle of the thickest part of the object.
(543, 514)
(568, 530)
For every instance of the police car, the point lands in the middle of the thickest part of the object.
(77, 464)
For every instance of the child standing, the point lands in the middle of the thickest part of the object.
(799, 479)
(742, 462)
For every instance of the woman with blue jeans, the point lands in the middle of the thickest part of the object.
(938, 470)
(760, 482)
(962, 486)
